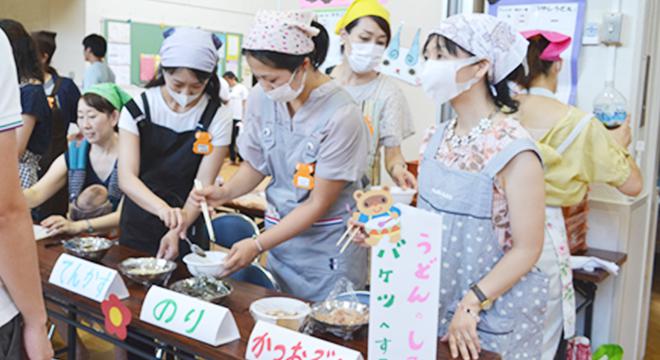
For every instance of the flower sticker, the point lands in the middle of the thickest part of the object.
(117, 317)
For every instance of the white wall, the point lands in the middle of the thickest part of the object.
(65, 17)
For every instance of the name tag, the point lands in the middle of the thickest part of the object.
(269, 341)
(86, 278)
(188, 316)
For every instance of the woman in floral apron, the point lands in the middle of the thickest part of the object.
(482, 172)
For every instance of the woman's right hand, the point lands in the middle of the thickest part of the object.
(623, 134)
(173, 218)
(213, 195)
(361, 236)
(169, 246)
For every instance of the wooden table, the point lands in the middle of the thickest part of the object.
(238, 302)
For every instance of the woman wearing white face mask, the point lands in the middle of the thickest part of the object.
(365, 33)
(304, 131)
(176, 131)
(482, 172)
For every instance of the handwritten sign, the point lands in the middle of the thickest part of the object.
(86, 278)
(269, 341)
(188, 316)
(563, 16)
(404, 297)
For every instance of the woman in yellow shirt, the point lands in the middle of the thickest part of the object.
(577, 150)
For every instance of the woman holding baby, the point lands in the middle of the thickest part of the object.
(89, 166)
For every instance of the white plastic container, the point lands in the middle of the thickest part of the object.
(212, 265)
(286, 312)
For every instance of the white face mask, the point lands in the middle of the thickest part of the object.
(182, 99)
(286, 93)
(439, 78)
(365, 57)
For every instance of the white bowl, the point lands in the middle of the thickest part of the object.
(282, 311)
(212, 265)
(403, 196)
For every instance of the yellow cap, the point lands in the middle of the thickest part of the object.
(362, 8)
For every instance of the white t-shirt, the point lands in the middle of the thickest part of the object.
(161, 114)
(237, 95)
(224, 89)
(10, 118)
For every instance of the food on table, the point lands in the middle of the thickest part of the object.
(342, 316)
(204, 288)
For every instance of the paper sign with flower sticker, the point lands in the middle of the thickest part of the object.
(117, 317)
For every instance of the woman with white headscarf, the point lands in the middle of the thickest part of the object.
(175, 132)
(482, 172)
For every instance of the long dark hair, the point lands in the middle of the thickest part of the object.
(45, 42)
(28, 66)
(212, 88)
(290, 62)
(500, 92)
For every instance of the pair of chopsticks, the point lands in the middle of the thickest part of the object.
(347, 237)
(205, 212)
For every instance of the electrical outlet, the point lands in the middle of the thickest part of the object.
(610, 29)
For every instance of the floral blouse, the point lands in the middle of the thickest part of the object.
(474, 156)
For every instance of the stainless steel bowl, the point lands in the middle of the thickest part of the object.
(204, 288)
(89, 247)
(321, 310)
(148, 270)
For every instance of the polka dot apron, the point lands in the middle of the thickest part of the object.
(513, 327)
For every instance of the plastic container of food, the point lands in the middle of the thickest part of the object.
(204, 288)
(282, 311)
(212, 265)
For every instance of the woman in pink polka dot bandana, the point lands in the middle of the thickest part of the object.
(304, 131)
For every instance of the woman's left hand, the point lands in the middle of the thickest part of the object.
(462, 336)
(240, 256)
(404, 178)
(59, 225)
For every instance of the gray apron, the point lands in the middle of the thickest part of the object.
(308, 265)
(513, 327)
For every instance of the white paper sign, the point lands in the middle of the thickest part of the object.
(86, 278)
(405, 278)
(269, 341)
(119, 32)
(188, 316)
(40, 232)
(122, 74)
(119, 54)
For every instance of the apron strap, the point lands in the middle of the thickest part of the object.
(135, 110)
(435, 141)
(209, 113)
(497, 163)
(77, 167)
(577, 130)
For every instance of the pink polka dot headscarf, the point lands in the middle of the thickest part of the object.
(287, 32)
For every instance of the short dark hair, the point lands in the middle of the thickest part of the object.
(500, 92)
(230, 75)
(28, 65)
(537, 67)
(292, 62)
(45, 41)
(212, 88)
(97, 45)
(382, 24)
